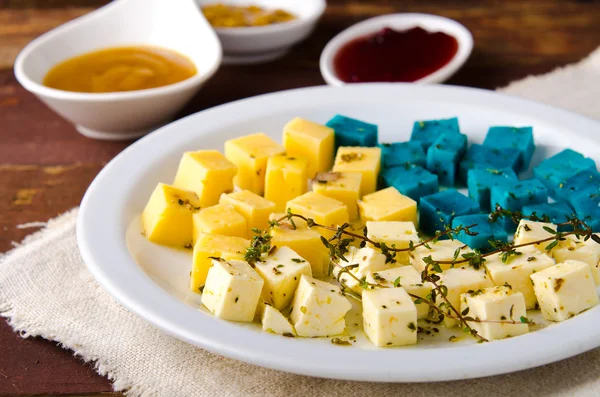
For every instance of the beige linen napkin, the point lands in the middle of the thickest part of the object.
(46, 290)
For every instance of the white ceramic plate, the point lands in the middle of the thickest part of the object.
(151, 280)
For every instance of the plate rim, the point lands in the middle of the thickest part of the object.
(152, 302)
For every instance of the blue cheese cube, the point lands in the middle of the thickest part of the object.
(556, 212)
(389, 317)
(444, 156)
(232, 290)
(565, 290)
(480, 181)
(352, 132)
(479, 156)
(514, 138)
(360, 262)
(318, 308)
(492, 306)
(402, 154)
(485, 230)
(427, 131)
(276, 323)
(582, 183)
(440, 250)
(515, 270)
(513, 196)
(459, 281)
(410, 180)
(394, 234)
(409, 279)
(281, 271)
(438, 210)
(555, 171)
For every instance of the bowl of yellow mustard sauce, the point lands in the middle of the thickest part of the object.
(123, 70)
(258, 31)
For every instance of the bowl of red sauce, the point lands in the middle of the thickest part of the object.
(415, 48)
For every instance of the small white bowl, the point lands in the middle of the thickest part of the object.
(177, 25)
(431, 23)
(258, 44)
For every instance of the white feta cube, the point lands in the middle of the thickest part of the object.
(273, 321)
(281, 271)
(409, 279)
(530, 231)
(232, 290)
(360, 261)
(495, 304)
(441, 250)
(389, 317)
(565, 289)
(318, 308)
(394, 234)
(517, 269)
(579, 250)
(458, 281)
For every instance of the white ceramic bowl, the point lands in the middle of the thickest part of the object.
(178, 26)
(432, 23)
(265, 43)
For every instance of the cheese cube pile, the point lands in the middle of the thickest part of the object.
(207, 173)
(498, 305)
(318, 308)
(565, 290)
(167, 217)
(250, 154)
(232, 290)
(389, 316)
(331, 174)
(281, 271)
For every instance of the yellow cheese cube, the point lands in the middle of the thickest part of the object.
(206, 172)
(364, 160)
(286, 179)
(250, 153)
(254, 208)
(214, 245)
(388, 205)
(303, 138)
(321, 209)
(304, 241)
(220, 219)
(167, 218)
(342, 186)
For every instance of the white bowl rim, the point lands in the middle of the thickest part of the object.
(277, 27)
(463, 37)
(41, 90)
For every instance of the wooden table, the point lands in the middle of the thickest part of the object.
(46, 166)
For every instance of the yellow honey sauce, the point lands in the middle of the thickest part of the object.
(120, 69)
(227, 16)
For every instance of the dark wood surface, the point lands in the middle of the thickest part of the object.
(46, 166)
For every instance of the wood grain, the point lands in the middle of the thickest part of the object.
(45, 166)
